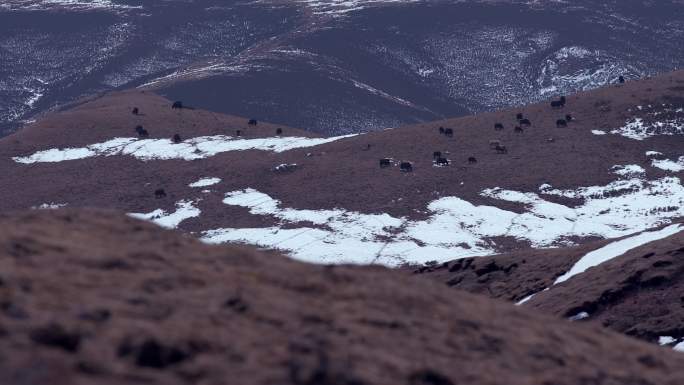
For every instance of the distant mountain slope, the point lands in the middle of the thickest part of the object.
(93, 297)
(614, 170)
(333, 67)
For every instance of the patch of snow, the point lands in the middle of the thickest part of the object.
(50, 206)
(204, 182)
(616, 249)
(665, 340)
(579, 316)
(185, 209)
(629, 170)
(190, 149)
(598, 132)
(457, 228)
(669, 165)
(653, 153)
(679, 347)
(70, 5)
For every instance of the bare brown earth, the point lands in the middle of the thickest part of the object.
(94, 297)
(344, 173)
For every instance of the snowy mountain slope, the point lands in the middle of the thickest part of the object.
(334, 67)
(327, 199)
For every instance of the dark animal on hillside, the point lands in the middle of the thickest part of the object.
(472, 160)
(518, 130)
(560, 103)
(159, 193)
(449, 132)
(441, 130)
(442, 161)
(238, 133)
(279, 131)
(494, 143)
(519, 116)
(525, 122)
(561, 123)
(142, 133)
(252, 122)
(568, 118)
(385, 162)
(436, 154)
(177, 138)
(498, 126)
(501, 149)
(135, 111)
(621, 79)
(177, 105)
(406, 166)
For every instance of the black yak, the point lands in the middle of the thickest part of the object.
(385, 162)
(519, 116)
(406, 166)
(436, 154)
(449, 132)
(441, 130)
(159, 193)
(238, 133)
(498, 126)
(177, 139)
(135, 111)
(518, 130)
(500, 149)
(525, 122)
(442, 161)
(621, 79)
(568, 118)
(279, 131)
(177, 105)
(252, 122)
(472, 160)
(561, 123)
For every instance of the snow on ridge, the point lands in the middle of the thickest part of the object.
(50, 206)
(185, 209)
(190, 149)
(71, 5)
(628, 170)
(456, 228)
(616, 249)
(654, 120)
(205, 182)
(337, 8)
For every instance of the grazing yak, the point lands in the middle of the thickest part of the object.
(252, 122)
(436, 154)
(560, 103)
(177, 105)
(519, 116)
(441, 130)
(525, 122)
(472, 160)
(501, 149)
(135, 111)
(238, 133)
(498, 126)
(449, 132)
(142, 133)
(385, 162)
(159, 193)
(518, 130)
(279, 131)
(561, 123)
(177, 138)
(406, 166)
(442, 161)
(621, 79)
(568, 118)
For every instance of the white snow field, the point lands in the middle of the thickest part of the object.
(669, 165)
(184, 210)
(205, 182)
(190, 149)
(653, 123)
(617, 249)
(457, 228)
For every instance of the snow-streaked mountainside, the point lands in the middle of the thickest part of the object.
(344, 66)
